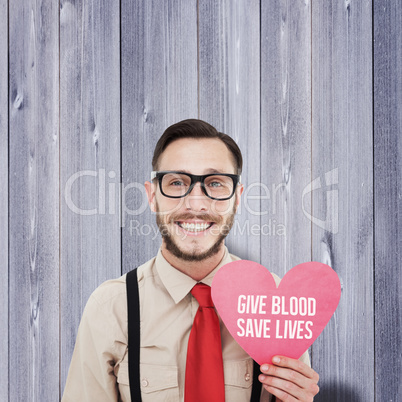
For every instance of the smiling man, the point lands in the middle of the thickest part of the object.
(194, 226)
(185, 351)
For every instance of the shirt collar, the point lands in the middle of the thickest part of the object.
(179, 284)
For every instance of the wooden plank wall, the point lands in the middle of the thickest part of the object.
(311, 91)
(342, 155)
(33, 200)
(4, 198)
(285, 132)
(89, 159)
(388, 194)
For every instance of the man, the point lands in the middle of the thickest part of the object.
(195, 191)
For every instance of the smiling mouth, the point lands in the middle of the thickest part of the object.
(194, 227)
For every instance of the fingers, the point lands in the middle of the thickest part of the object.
(278, 376)
(282, 389)
(296, 365)
(289, 379)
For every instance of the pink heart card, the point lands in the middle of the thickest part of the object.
(267, 320)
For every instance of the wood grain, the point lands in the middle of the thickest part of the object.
(387, 197)
(285, 132)
(34, 201)
(159, 88)
(311, 97)
(229, 99)
(4, 199)
(343, 200)
(90, 158)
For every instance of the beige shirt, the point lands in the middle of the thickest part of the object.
(99, 366)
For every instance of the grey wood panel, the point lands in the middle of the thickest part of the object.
(229, 99)
(90, 158)
(285, 132)
(387, 199)
(34, 201)
(4, 199)
(343, 197)
(159, 88)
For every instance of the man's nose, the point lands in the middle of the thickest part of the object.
(197, 200)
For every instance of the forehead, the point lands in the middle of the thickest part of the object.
(197, 156)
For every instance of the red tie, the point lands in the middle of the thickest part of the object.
(204, 367)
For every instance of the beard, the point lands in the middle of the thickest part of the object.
(195, 254)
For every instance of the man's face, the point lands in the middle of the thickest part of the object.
(193, 227)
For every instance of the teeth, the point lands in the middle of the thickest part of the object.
(194, 227)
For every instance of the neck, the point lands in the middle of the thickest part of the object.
(196, 270)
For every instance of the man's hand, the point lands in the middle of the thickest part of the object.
(289, 379)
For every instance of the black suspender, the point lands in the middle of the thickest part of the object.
(134, 337)
(256, 391)
(133, 312)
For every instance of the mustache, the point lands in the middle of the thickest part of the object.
(189, 216)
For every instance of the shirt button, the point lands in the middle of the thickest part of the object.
(144, 383)
(247, 377)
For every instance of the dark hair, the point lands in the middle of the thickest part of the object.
(193, 128)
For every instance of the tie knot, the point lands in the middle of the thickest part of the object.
(203, 295)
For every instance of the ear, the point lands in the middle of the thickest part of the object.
(239, 192)
(150, 188)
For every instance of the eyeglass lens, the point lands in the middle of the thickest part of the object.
(216, 186)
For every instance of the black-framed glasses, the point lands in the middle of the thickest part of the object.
(217, 186)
